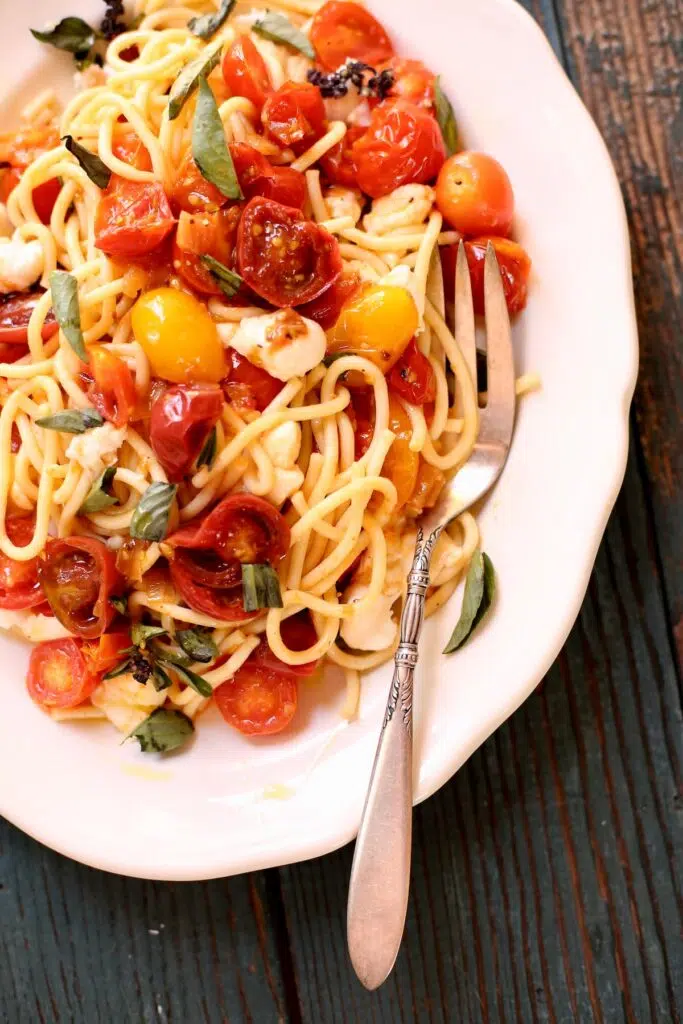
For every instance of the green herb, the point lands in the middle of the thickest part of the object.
(206, 25)
(446, 119)
(120, 603)
(162, 731)
(208, 452)
(209, 148)
(260, 587)
(198, 684)
(99, 496)
(150, 518)
(96, 170)
(73, 35)
(480, 588)
(171, 655)
(198, 644)
(64, 288)
(227, 279)
(71, 421)
(160, 678)
(119, 670)
(188, 79)
(279, 29)
(140, 633)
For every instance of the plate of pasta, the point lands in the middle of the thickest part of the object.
(229, 388)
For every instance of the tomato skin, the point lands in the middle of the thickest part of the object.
(474, 194)
(79, 575)
(256, 701)
(178, 337)
(248, 386)
(515, 267)
(339, 164)
(342, 30)
(240, 528)
(224, 604)
(428, 487)
(245, 72)
(326, 308)
(283, 257)
(412, 377)
(44, 198)
(401, 464)
(294, 115)
(19, 583)
(17, 151)
(131, 150)
(258, 177)
(180, 420)
(58, 675)
(298, 633)
(107, 652)
(15, 313)
(211, 232)
(412, 81)
(402, 145)
(191, 191)
(132, 219)
(113, 392)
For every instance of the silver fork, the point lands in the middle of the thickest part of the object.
(380, 876)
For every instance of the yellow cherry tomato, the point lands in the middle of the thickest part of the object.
(178, 337)
(377, 322)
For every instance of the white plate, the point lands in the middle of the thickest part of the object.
(203, 813)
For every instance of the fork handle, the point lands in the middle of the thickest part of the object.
(380, 875)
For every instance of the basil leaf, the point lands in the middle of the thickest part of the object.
(160, 679)
(279, 29)
(171, 655)
(140, 633)
(260, 587)
(150, 519)
(209, 148)
(480, 587)
(198, 644)
(186, 82)
(206, 25)
(120, 603)
(119, 670)
(198, 684)
(99, 496)
(163, 730)
(64, 288)
(208, 452)
(227, 279)
(71, 421)
(446, 119)
(73, 35)
(96, 170)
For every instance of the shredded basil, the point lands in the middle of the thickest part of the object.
(446, 119)
(260, 587)
(99, 496)
(73, 35)
(188, 79)
(120, 603)
(64, 288)
(141, 633)
(119, 670)
(198, 684)
(209, 148)
(198, 644)
(208, 24)
(71, 421)
(160, 678)
(97, 171)
(279, 29)
(229, 281)
(480, 588)
(150, 518)
(163, 730)
(208, 452)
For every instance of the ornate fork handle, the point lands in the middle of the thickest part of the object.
(380, 876)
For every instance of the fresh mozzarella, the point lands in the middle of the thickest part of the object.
(343, 202)
(21, 264)
(445, 559)
(126, 702)
(287, 482)
(94, 447)
(283, 343)
(341, 108)
(375, 628)
(32, 626)
(282, 444)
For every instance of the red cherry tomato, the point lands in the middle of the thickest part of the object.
(44, 198)
(515, 267)
(131, 151)
(248, 386)
(15, 313)
(107, 652)
(412, 81)
(342, 30)
(256, 701)
(245, 72)
(412, 377)
(211, 232)
(180, 420)
(294, 115)
(474, 194)
(192, 192)
(113, 392)
(402, 145)
(132, 218)
(326, 308)
(298, 633)
(258, 177)
(58, 674)
(79, 575)
(283, 257)
(19, 584)
(339, 164)
(223, 603)
(17, 151)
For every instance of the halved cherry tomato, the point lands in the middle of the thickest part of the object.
(15, 313)
(192, 192)
(285, 258)
(401, 464)
(298, 633)
(17, 151)
(113, 392)
(132, 218)
(326, 308)
(363, 409)
(211, 233)
(58, 674)
(413, 377)
(245, 72)
(19, 584)
(258, 177)
(79, 575)
(474, 194)
(412, 81)
(257, 701)
(428, 487)
(515, 267)
(223, 603)
(44, 198)
(402, 145)
(180, 420)
(248, 386)
(294, 115)
(339, 164)
(343, 30)
(131, 150)
(107, 652)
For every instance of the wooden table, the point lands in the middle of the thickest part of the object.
(545, 882)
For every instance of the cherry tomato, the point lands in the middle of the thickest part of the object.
(412, 81)
(113, 392)
(428, 487)
(107, 652)
(17, 151)
(376, 322)
(326, 308)
(178, 337)
(132, 218)
(180, 420)
(343, 30)
(192, 192)
(283, 257)
(412, 377)
(256, 701)
(402, 145)
(245, 71)
(339, 164)
(224, 603)
(294, 115)
(19, 584)
(363, 410)
(131, 150)
(401, 464)
(298, 633)
(15, 313)
(258, 177)
(58, 675)
(515, 267)
(474, 194)
(211, 233)
(79, 575)
(44, 198)
(248, 386)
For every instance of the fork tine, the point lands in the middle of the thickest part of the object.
(498, 417)
(464, 317)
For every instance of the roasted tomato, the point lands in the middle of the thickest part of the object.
(428, 487)
(248, 386)
(19, 584)
(401, 464)
(15, 313)
(258, 177)
(257, 701)
(326, 308)
(211, 233)
(377, 322)
(283, 257)
(412, 81)
(113, 391)
(412, 377)
(298, 633)
(79, 575)
(192, 192)
(58, 674)
(342, 31)
(131, 151)
(515, 267)
(180, 420)
(224, 603)
(17, 151)
(339, 164)
(402, 145)
(245, 71)
(294, 115)
(178, 337)
(474, 194)
(132, 218)
(107, 652)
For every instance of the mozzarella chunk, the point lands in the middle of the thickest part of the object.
(287, 483)
(375, 628)
(282, 444)
(408, 206)
(6, 227)
(126, 702)
(343, 202)
(95, 447)
(284, 343)
(445, 560)
(31, 626)
(403, 277)
(21, 264)
(341, 108)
